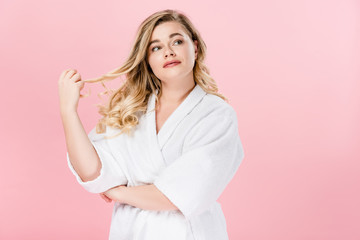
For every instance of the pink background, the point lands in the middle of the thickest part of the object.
(289, 68)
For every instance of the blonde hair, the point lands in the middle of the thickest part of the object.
(126, 104)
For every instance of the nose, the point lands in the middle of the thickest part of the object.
(168, 51)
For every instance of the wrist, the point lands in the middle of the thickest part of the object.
(67, 112)
(121, 194)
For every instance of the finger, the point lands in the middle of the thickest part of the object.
(108, 197)
(64, 73)
(74, 78)
(80, 84)
(106, 200)
(70, 73)
(104, 197)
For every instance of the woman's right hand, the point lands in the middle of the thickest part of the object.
(103, 196)
(70, 85)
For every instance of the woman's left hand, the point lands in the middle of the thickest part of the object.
(113, 194)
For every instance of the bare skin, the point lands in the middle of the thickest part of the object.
(82, 154)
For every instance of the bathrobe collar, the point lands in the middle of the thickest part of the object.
(175, 118)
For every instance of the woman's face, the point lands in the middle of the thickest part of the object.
(172, 43)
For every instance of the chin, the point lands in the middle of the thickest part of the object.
(169, 76)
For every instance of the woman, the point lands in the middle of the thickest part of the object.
(167, 144)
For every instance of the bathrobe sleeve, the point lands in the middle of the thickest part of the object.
(211, 156)
(111, 174)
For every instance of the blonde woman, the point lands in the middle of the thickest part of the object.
(167, 144)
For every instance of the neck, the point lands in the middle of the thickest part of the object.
(174, 95)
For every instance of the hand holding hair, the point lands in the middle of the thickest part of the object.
(70, 85)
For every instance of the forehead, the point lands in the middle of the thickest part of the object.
(164, 30)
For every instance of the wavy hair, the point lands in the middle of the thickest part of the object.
(126, 104)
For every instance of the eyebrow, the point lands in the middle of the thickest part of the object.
(170, 36)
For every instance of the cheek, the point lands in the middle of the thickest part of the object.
(155, 65)
(187, 54)
(154, 61)
(151, 62)
(191, 53)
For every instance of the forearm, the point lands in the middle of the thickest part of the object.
(82, 154)
(147, 197)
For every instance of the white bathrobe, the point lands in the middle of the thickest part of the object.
(191, 160)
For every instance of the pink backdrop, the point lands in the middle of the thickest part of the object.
(289, 68)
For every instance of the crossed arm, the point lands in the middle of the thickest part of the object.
(147, 197)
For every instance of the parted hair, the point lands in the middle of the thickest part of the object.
(126, 104)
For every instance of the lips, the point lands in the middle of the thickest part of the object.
(175, 62)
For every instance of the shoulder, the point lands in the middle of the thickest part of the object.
(212, 115)
(212, 106)
(213, 121)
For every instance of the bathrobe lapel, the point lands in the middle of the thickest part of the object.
(174, 119)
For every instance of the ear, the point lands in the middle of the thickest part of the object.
(196, 48)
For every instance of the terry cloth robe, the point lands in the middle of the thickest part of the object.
(191, 160)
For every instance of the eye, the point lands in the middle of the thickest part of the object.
(154, 48)
(180, 42)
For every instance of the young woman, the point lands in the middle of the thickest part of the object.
(167, 144)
